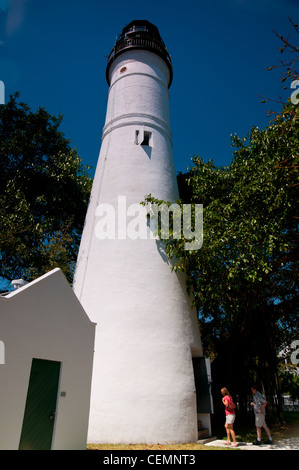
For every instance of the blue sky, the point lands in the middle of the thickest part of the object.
(54, 53)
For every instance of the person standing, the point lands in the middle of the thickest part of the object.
(259, 404)
(230, 417)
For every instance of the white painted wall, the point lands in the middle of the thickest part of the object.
(45, 320)
(143, 385)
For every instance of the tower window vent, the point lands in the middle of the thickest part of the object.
(147, 137)
(143, 138)
(137, 138)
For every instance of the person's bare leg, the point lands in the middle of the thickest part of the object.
(227, 433)
(259, 432)
(267, 431)
(232, 433)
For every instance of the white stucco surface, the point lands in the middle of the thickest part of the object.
(143, 385)
(44, 320)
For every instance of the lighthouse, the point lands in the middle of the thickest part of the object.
(147, 338)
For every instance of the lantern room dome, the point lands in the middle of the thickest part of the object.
(140, 34)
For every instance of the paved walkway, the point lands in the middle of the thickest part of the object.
(285, 444)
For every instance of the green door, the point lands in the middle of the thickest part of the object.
(39, 416)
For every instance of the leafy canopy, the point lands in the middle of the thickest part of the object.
(245, 276)
(44, 191)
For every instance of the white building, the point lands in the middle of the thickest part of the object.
(46, 356)
(147, 337)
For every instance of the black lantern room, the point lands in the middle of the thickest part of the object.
(140, 34)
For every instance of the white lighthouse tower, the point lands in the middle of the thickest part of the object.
(143, 386)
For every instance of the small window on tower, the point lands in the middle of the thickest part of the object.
(137, 138)
(143, 138)
(147, 137)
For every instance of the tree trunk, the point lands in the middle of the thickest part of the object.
(269, 364)
(236, 368)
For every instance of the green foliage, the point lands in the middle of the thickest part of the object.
(44, 192)
(245, 276)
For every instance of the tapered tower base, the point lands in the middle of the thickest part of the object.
(143, 387)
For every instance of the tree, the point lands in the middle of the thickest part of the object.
(44, 192)
(245, 276)
(290, 64)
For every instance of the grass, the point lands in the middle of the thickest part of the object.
(278, 433)
(187, 446)
(244, 434)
